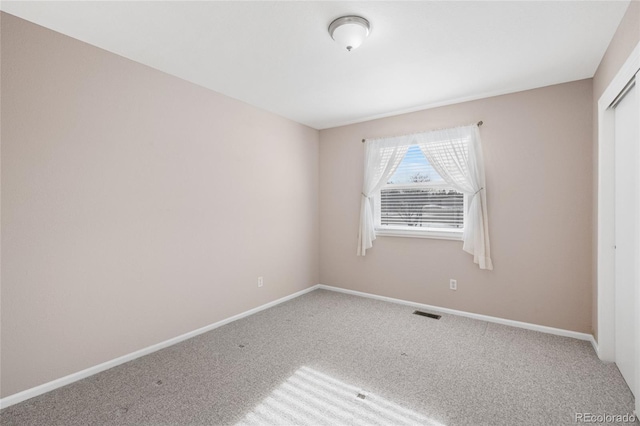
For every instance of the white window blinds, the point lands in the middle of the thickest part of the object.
(417, 197)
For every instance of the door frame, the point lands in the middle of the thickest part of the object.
(606, 217)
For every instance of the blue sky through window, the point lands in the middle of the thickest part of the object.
(414, 163)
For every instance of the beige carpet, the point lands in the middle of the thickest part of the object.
(330, 358)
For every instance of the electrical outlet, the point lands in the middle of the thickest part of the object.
(260, 281)
(453, 284)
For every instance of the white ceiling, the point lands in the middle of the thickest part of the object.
(278, 55)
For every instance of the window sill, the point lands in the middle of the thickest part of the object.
(440, 234)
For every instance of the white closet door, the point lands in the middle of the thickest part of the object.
(627, 224)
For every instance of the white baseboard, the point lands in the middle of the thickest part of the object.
(54, 384)
(512, 323)
(594, 343)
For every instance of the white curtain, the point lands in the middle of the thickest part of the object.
(456, 154)
(381, 159)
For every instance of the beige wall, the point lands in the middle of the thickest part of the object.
(626, 38)
(537, 147)
(136, 206)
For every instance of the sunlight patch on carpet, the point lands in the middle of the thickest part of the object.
(311, 397)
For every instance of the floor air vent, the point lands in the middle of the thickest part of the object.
(427, 314)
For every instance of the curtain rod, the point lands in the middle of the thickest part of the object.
(480, 123)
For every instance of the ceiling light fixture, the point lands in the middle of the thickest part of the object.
(349, 31)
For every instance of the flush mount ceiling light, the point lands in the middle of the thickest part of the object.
(349, 31)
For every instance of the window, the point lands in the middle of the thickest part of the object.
(416, 201)
(429, 184)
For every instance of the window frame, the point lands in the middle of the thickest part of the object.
(416, 232)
